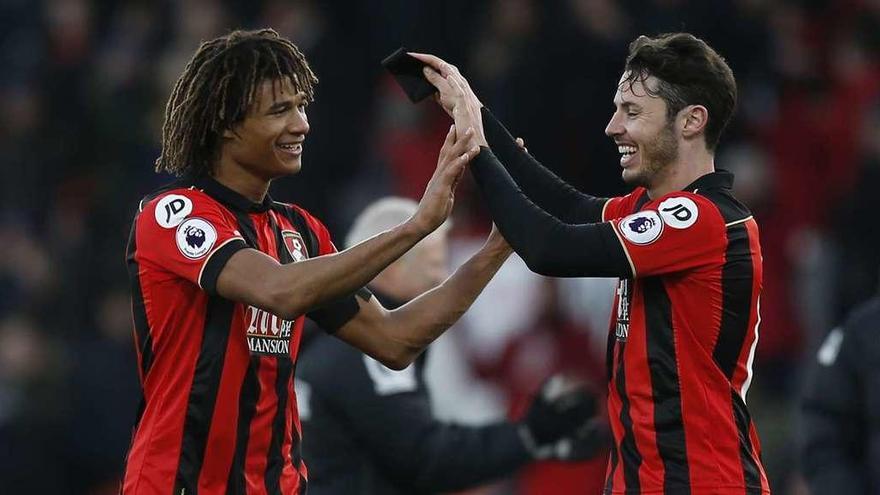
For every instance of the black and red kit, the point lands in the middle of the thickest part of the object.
(219, 412)
(683, 337)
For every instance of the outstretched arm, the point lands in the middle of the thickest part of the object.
(290, 290)
(540, 184)
(397, 337)
(548, 245)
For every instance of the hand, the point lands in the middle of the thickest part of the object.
(454, 94)
(560, 422)
(522, 144)
(439, 196)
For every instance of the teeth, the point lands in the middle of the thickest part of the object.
(626, 150)
(291, 147)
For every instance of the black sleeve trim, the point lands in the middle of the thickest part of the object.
(334, 314)
(215, 263)
(539, 183)
(547, 245)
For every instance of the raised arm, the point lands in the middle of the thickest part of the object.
(540, 184)
(548, 245)
(290, 290)
(397, 337)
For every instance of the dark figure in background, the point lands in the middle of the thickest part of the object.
(370, 430)
(840, 408)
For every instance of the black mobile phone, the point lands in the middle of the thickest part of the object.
(407, 71)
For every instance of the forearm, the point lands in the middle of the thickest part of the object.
(540, 184)
(547, 245)
(304, 286)
(422, 320)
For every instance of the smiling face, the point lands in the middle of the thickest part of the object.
(645, 136)
(268, 143)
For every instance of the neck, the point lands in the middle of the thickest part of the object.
(688, 167)
(240, 180)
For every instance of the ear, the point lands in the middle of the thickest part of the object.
(229, 134)
(694, 119)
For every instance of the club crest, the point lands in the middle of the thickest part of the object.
(295, 245)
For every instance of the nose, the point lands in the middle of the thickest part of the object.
(614, 127)
(298, 123)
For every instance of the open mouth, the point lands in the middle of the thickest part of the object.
(291, 148)
(626, 153)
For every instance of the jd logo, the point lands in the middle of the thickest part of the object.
(679, 212)
(172, 209)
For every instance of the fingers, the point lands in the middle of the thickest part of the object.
(436, 79)
(437, 63)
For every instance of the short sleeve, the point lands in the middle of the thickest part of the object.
(188, 234)
(619, 206)
(681, 231)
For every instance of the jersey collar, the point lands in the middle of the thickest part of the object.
(719, 179)
(231, 198)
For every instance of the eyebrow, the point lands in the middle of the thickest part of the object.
(297, 98)
(628, 105)
(281, 105)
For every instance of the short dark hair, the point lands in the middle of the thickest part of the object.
(217, 88)
(690, 72)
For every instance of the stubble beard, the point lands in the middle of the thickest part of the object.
(657, 156)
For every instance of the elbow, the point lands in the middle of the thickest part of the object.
(538, 261)
(399, 359)
(285, 300)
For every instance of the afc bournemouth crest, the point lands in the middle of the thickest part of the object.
(295, 245)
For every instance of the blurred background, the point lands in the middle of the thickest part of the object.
(82, 94)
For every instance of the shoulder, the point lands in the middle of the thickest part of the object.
(621, 206)
(169, 206)
(731, 209)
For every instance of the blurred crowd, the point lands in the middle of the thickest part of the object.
(82, 95)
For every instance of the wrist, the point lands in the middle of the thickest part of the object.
(415, 228)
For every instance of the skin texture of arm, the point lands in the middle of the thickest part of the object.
(291, 290)
(397, 337)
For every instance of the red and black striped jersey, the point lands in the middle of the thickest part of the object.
(682, 342)
(219, 411)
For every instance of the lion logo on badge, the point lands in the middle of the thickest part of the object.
(641, 228)
(195, 237)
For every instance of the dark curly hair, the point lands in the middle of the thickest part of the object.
(690, 72)
(217, 88)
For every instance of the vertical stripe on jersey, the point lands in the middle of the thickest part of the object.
(250, 388)
(274, 458)
(629, 453)
(751, 471)
(737, 276)
(612, 467)
(662, 362)
(284, 366)
(247, 407)
(203, 393)
(143, 339)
